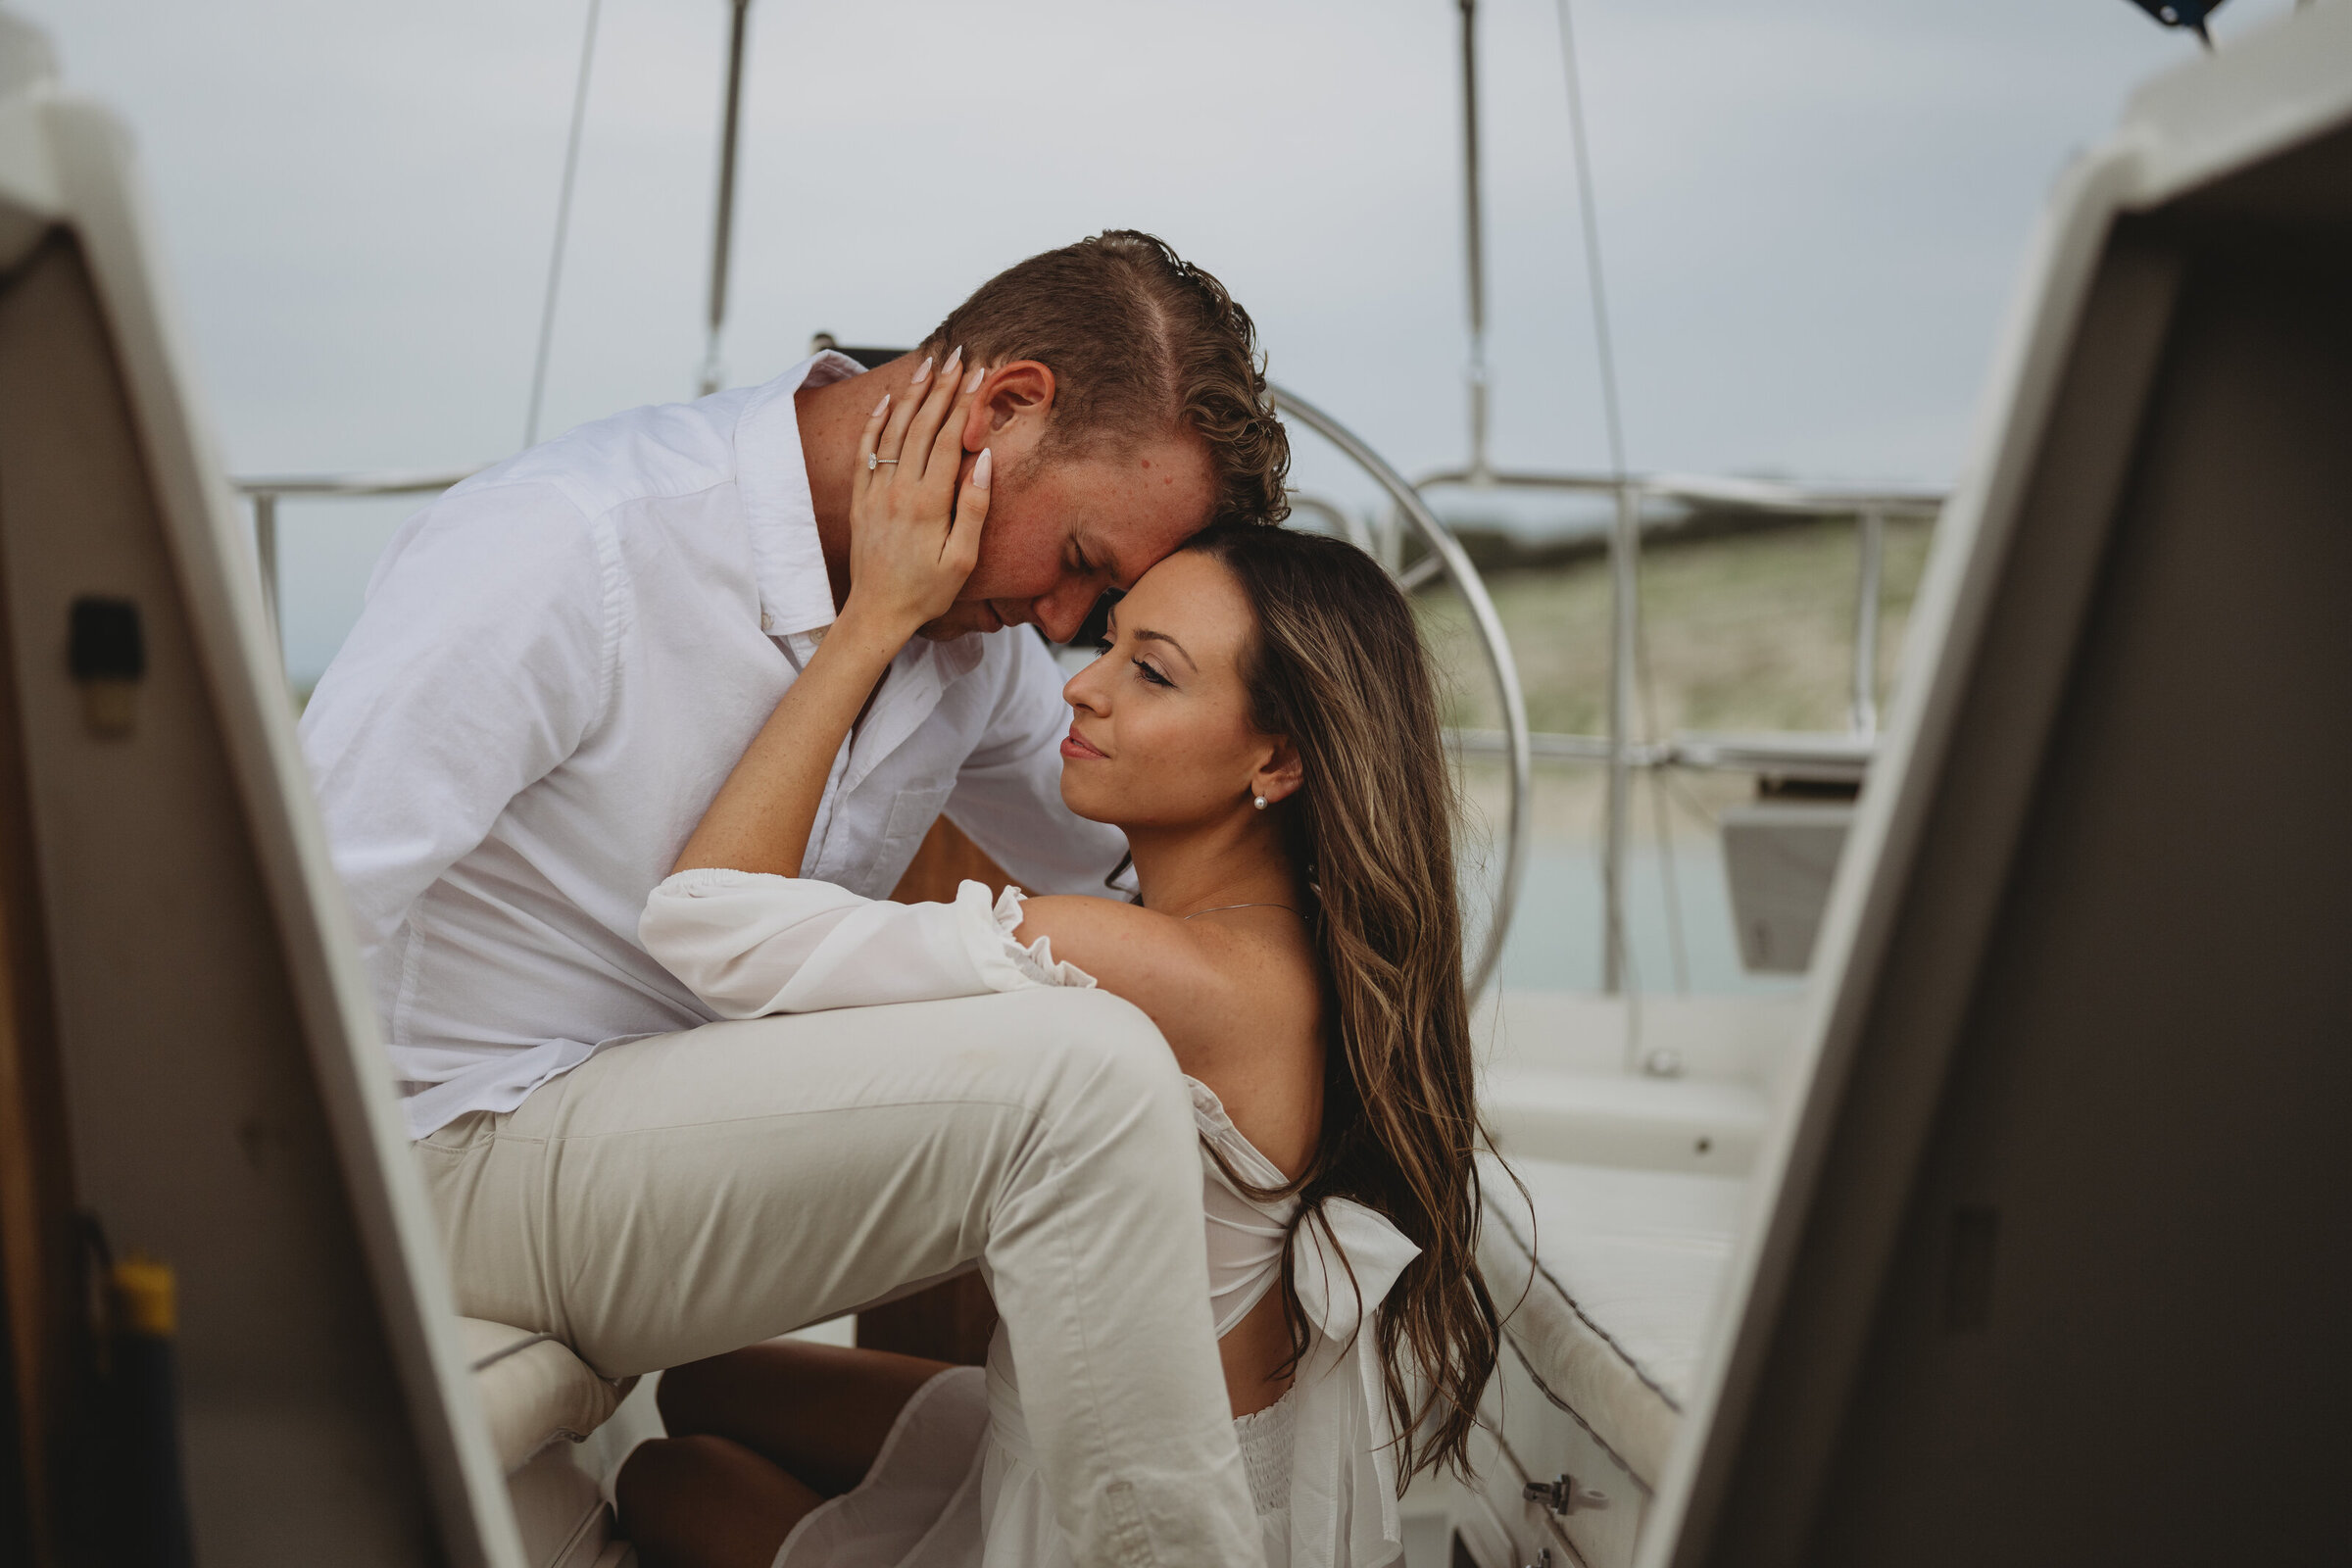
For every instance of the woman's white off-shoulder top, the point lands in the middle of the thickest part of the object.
(751, 943)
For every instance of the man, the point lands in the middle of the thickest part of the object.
(558, 664)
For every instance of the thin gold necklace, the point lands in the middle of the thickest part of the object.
(1222, 907)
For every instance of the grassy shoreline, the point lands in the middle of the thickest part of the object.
(1741, 631)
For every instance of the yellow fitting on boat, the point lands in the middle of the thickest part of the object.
(148, 1296)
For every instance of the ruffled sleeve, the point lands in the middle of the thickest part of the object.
(751, 943)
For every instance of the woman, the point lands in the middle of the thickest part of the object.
(1262, 726)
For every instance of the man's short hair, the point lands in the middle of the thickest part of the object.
(1140, 343)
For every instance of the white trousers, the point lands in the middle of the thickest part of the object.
(680, 1196)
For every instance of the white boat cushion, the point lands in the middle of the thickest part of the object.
(534, 1389)
(561, 1513)
(1611, 1302)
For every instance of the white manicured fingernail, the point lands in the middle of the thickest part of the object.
(879, 406)
(922, 373)
(980, 469)
(954, 358)
(972, 384)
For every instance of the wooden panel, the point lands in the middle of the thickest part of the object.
(1866, 1117)
(198, 1131)
(2106, 1334)
(38, 1262)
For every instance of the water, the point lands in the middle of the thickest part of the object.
(1555, 937)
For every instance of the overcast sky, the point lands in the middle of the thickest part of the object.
(1813, 212)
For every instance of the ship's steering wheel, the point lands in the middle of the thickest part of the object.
(1448, 552)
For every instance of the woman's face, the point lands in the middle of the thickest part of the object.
(1160, 732)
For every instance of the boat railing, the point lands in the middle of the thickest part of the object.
(265, 491)
(1830, 757)
(1833, 758)
(1870, 508)
(1823, 757)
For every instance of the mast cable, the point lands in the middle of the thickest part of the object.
(1604, 353)
(1613, 422)
(722, 236)
(1474, 246)
(554, 260)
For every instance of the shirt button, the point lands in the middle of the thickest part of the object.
(767, 622)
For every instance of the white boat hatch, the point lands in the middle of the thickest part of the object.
(2048, 1220)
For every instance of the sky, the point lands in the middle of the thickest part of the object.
(1812, 214)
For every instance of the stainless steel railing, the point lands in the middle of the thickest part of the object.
(1871, 509)
(1821, 758)
(1618, 750)
(1446, 552)
(1827, 758)
(265, 491)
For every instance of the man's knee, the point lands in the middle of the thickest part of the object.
(1094, 1051)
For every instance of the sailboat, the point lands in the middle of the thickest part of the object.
(2015, 1236)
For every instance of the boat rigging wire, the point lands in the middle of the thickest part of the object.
(1456, 565)
(723, 228)
(1624, 542)
(555, 258)
(1604, 354)
(1474, 245)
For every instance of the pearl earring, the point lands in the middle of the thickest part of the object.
(1260, 801)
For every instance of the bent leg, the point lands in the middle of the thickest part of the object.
(758, 1438)
(679, 1197)
(820, 1412)
(704, 1503)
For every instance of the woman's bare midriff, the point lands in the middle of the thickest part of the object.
(1260, 1345)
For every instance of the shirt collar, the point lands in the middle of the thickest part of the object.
(788, 560)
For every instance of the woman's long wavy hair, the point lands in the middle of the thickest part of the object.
(1337, 666)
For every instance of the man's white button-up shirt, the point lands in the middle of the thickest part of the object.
(558, 663)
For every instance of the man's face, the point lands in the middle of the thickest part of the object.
(1061, 530)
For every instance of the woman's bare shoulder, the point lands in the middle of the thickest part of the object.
(1238, 1001)
(1125, 946)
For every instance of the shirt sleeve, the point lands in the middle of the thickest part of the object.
(1007, 794)
(482, 658)
(750, 943)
